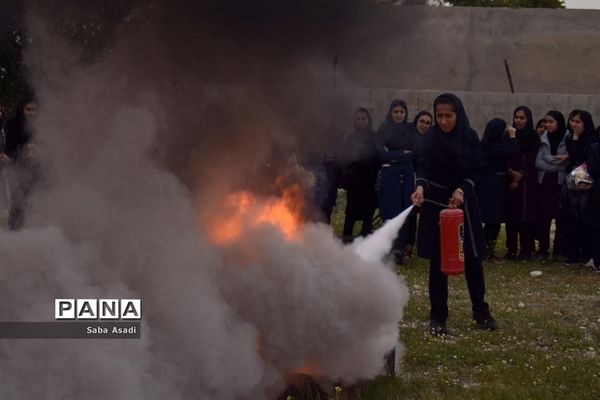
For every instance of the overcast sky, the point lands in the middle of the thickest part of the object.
(582, 3)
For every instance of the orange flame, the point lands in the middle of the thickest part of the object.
(243, 211)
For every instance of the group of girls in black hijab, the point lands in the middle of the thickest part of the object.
(445, 161)
(381, 172)
(515, 176)
(527, 189)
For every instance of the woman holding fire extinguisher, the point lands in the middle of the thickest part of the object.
(448, 169)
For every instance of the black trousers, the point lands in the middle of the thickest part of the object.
(521, 234)
(558, 245)
(578, 232)
(490, 232)
(438, 289)
(367, 224)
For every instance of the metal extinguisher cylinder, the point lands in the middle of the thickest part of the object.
(452, 234)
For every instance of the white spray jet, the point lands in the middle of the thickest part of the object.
(375, 246)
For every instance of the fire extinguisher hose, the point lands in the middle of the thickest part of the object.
(473, 245)
(435, 203)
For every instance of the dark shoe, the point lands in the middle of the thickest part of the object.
(526, 257)
(486, 323)
(541, 258)
(558, 258)
(437, 328)
(495, 260)
(510, 257)
(571, 262)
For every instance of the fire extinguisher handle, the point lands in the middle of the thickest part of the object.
(435, 203)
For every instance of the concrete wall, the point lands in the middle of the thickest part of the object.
(480, 106)
(462, 49)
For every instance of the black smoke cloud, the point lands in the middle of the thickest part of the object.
(231, 76)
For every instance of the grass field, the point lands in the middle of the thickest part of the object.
(547, 347)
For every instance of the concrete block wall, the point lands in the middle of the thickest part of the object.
(464, 48)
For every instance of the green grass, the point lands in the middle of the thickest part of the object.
(547, 347)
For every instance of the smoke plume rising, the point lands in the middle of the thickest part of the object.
(150, 113)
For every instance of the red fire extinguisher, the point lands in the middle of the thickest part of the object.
(452, 232)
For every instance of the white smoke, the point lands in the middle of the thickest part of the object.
(108, 220)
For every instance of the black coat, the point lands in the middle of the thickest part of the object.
(494, 183)
(360, 172)
(18, 136)
(523, 202)
(578, 149)
(449, 161)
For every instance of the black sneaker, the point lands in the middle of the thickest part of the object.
(541, 258)
(486, 323)
(438, 328)
(510, 257)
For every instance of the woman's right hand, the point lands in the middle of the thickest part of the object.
(512, 132)
(417, 197)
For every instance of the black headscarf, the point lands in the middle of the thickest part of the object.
(420, 114)
(394, 104)
(542, 121)
(368, 129)
(556, 137)
(586, 118)
(18, 132)
(578, 149)
(494, 133)
(360, 144)
(525, 136)
(397, 136)
(453, 147)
